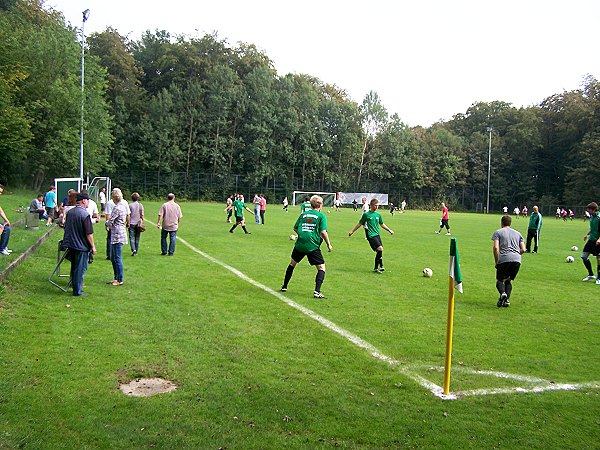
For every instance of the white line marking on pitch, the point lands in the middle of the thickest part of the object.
(375, 353)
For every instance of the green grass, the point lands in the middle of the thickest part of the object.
(255, 373)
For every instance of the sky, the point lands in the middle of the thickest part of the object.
(426, 59)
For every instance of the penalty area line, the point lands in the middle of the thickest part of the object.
(375, 353)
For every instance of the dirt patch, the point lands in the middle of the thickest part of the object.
(147, 387)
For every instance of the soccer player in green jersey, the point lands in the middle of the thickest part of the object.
(238, 208)
(372, 220)
(311, 228)
(592, 243)
(305, 204)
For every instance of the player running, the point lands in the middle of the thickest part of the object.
(371, 220)
(239, 207)
(311, 227)
(592, 243)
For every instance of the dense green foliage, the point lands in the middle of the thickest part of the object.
(173, 104)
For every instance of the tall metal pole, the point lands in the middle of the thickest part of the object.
(489, 171)
(86, 14)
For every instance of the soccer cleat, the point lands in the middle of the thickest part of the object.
(317, 294)
(506, 303)
(533, 252)
(283, 289)
(598, 281)
(447, 234)
(500, 302)
(589, 278)
(382, 269)
(437, 232)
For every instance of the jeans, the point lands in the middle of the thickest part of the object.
(134, 238)
(257, 214)
(117, 261)
(79, 264)
(4, 237)
(163, 241)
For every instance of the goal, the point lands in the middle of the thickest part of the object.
(328, 197)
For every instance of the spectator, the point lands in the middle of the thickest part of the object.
(4, 229)
(136, 221)
(119, 218)
(263, 208)
(50, 201)
(37, 207)
(169, 217)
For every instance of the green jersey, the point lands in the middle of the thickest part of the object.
(309, 225)
(373, 220)
(535, 221)
(238, 208)
(304, 206)
(594, 227)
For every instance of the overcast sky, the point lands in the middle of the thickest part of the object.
(427, 59)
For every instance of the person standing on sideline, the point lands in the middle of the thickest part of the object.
(118, 223)
(311, 227)
(256, 202)
(79, 240)
(285, 204)
(592, 243)
(402, 206)
(135, 220)
(92, 209)
(169, 217)
(229, 208)
(444, 220)
(508, 248)
(102, 199)
(354, 205)
(239, 207)
(4, 229)
(533, 230)
(372, 219)
(263, 208)
(337, 204)
(50, 201)
(107, 210)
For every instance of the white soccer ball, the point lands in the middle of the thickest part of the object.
(574, 248)
(427, 272)
(570, 259)
(293, 237)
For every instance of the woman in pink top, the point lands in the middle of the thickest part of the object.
(263, 207)
(444, 220)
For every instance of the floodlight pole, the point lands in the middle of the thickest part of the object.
(487, 211)
(86, 14)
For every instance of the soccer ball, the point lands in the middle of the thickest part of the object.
(574, 248)
(570, 259)
(427, 272)
(293, 237)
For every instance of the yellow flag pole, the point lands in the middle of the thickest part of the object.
(449, 330)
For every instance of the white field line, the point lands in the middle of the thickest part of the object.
(375, 353)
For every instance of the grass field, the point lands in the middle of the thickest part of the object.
(255, 370)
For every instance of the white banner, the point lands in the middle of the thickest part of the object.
(348, 197)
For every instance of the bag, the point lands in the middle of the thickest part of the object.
(141, 227)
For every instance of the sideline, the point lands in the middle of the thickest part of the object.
(26, 254)
(537, 385)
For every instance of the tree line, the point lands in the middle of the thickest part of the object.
(167, 104)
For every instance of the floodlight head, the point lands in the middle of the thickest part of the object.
(490, 128)
(86, 14)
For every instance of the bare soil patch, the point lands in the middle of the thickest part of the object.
(147, 387)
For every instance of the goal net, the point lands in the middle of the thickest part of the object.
(298, 197)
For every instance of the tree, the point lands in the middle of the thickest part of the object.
(373, 117)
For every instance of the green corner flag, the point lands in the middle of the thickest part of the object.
(454, 267)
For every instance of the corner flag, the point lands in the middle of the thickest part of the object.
(454, 266)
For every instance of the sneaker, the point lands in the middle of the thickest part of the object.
(317, 294)
(589, 278)
(283, 289)
(4, 252)
(9, 250)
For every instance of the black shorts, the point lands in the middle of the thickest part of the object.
(592, 248)
(507, 270)
(375, 242)
(239, 219)
(314, 258)
(444, 224)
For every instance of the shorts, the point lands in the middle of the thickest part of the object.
(592, 248)
(375, 242)
(314, 258)
(444, 223)
(239, 219)
(507, 270)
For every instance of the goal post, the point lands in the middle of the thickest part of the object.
(328, 197)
